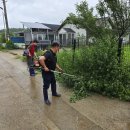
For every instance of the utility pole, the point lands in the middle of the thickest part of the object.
(6, 21)
(3, 21)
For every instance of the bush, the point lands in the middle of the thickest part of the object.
(10, 45)
(2, 47)
(22, 58)
(97, 70)
(40, 53)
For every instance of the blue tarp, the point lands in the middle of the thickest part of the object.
(17, 39)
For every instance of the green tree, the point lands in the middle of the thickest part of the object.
(117, 14)
(2, 37)
(85, 19)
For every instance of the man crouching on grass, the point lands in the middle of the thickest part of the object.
(49, 62)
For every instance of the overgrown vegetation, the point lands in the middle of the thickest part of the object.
(96, 69)
(102, 67)
(2, 48)
(40, 53)
(22, 58)
(116, 14)
(2, 38)
(9, 45)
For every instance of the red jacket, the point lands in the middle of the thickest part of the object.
(32, 49)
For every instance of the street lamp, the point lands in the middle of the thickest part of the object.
(3, 21)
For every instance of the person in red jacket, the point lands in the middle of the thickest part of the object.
(30, 57)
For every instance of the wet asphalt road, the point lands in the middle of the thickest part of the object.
(22, 106)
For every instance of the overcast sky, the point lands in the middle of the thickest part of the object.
(45, 11)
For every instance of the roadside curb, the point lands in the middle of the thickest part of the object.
(13, 53)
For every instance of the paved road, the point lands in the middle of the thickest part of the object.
(22, 106)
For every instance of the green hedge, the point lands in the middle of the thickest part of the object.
(96, 69)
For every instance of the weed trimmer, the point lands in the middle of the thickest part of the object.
(54, 71)
(62, 73)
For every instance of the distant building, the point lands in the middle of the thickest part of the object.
(68, 32)
(46, 33)
(53, 33)
(40, 31)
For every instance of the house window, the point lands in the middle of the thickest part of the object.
(44, 36)
(51, 37)
(69, 40)
(69, 36)
(60, 38)
(42, 30)
(34, 29)
(64, 38)
(72, 36)
(40, 37)
(35, 36)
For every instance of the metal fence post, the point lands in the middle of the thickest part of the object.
(73, 48)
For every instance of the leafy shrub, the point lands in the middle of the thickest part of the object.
(2, 47)
(22, 58)
(40, 53)
(10, 45)
(96, 69)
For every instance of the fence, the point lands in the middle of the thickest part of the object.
(81, 42)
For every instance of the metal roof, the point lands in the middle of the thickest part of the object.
(69, 30)
(54, 27)
(35, 25)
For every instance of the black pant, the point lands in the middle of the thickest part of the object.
(48, 78)
(30, 63)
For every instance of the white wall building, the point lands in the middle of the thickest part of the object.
(63, 33)
(67, 32)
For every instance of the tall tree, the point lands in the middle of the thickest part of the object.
(117, 14)
(84, 18)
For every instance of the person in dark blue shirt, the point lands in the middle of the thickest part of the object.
(49, 62)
